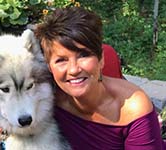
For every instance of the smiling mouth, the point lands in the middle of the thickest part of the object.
(77, 81)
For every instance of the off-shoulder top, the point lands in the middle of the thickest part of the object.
(141, 134)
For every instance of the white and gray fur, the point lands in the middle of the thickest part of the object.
(26, 96)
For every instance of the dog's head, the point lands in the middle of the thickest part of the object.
(25, 89)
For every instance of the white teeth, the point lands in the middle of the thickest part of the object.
(77, 80)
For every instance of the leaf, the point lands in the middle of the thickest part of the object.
(4, 7)
(3, 15)
(15, 14)
(34, 2)
(13, 3)
(22, 20)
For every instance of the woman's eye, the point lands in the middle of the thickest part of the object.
(30, 86)
(59, 60)
(5, 90)
(84, 54)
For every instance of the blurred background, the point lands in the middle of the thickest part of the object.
(135, 28)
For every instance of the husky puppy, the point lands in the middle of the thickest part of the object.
(26, 96)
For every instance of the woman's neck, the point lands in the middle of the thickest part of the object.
(89, 103)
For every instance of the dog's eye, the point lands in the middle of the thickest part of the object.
(5, 90)
(30, 86)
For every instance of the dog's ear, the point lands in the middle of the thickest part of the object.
(31, 43)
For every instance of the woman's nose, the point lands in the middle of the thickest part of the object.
(74, 68)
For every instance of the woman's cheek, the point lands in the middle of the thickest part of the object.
(90, 65)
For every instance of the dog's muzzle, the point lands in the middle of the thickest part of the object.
(25, 120)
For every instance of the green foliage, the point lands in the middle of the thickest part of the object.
(10, 9)
(15, 13)
(128, 27)
(159, 65)
(131, 36)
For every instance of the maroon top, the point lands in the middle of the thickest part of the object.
(141, 134)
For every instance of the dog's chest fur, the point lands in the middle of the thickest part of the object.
(46, 140)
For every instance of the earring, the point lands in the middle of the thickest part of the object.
(100, 77)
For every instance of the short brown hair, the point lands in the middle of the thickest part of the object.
(69, 25)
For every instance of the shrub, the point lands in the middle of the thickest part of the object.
(16, 14)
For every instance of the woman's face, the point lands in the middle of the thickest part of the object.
(76, 73)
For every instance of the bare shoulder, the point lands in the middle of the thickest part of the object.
(134, 102)
(138, 104)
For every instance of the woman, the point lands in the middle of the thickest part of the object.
(95, 112)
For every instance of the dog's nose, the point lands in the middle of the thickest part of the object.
(25, 120)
